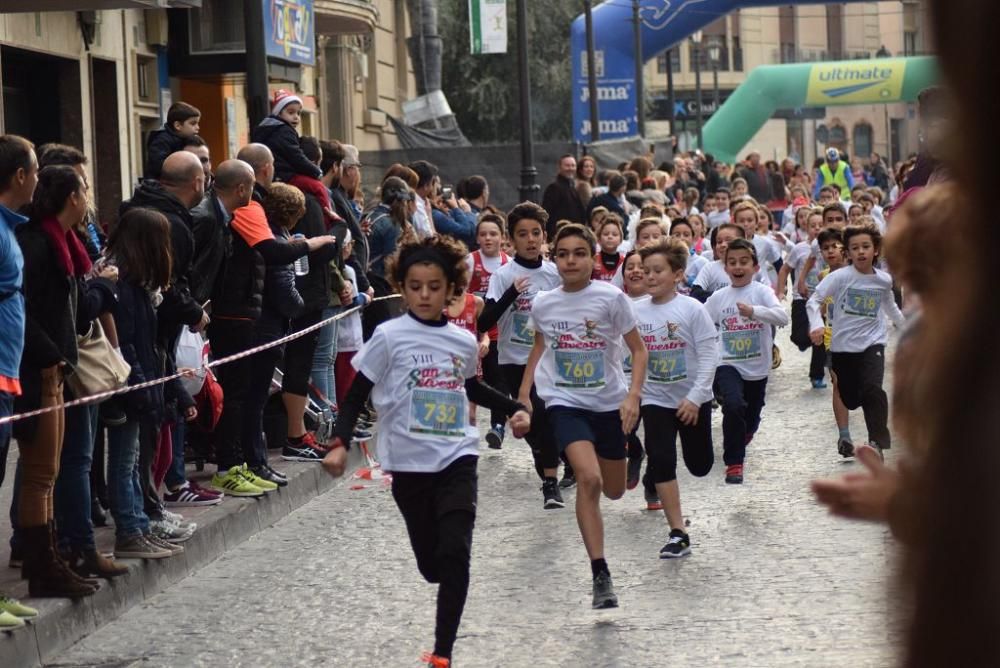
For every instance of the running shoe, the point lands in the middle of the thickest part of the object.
(156, 541)
(678, 545)
(137, 547)
(170, 533)
(187, 496)
(818, 384)
(652, 500)
(178, 520)
(604, 592)
(301, 453)
(568, 479)
(775, 357)
(14, 607)
(265, 473)
(845, 448)
(878, 450)
(494, 437)
(9, 621)
(256, 480)
(734, 474)
(203, 490)
(361, 435)
(550, 494)
(233, 483)
(435, 661)
(634, 471)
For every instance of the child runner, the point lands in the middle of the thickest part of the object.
(833, 216)
(512, 292)
(684, 231)
(463, 312)
(744, 313)
(862, 300)
(577, 363)
(420, 371)
(698, 226)
(721, 213)
(677, 395)
(831, 241)
(609, 237)
(800, 319)
(713, 276)
(482, 264)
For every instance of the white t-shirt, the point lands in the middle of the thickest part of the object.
(716, 218)
(419, 372)
(713, 276)
(694, 266)
(421, 219)
(582, 363)
(516, 337)
(683, 351)
(861, 304)
(627, 359)
(349, 331)
(768, 250)
(797, 260)
(745, 343)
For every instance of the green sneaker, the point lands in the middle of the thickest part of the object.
(16, 608)
(9, 621)
(256, 480)
(232, 483)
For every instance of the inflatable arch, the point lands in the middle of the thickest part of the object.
(664, 24)
(773, 87)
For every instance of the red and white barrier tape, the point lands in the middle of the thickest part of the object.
(211, 365)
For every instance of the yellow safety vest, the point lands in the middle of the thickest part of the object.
(840, 178)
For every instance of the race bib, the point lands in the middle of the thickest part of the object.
(580, 368)
(812, 280)
(864, 303)
(521, 333)
(667, 366)
(741, 345)
(438, 412)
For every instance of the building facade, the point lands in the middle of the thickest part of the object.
(748, 38)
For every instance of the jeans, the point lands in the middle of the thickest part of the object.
(742, 403)
(6, 410)
(124, 490)
(72, 491)
(175, 474)
(325, 357)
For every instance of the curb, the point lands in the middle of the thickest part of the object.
(63, 622)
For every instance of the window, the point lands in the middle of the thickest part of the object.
(862, 139)
(838, 137)
(217, 27)
(737, 55)
(147, 89)
(835, 31)
(910, 43)
(675, 61)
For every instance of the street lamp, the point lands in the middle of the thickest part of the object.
(714, 52)
(528, 190)
(696, 56)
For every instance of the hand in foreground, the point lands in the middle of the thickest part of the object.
(336, 460)
(860, 496)
(629, 413)
(687, 413)
(520, 424)
(745, 309)
(816, 336)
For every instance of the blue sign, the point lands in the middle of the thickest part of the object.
(290, 30)
(665, 23)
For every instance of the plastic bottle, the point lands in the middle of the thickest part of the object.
(302, 264)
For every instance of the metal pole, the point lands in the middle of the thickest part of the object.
(529, 189)
(697, 89)
(715, 84)
(640, 88)
(595, 130)
(257, 93)
(670, 90)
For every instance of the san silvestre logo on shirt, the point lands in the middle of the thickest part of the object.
(669, 340)
(563, 338)
(737, 323)
(429, 374)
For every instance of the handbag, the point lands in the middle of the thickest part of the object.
(99, 367)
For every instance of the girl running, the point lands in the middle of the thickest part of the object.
(677, 395)
(420, 371)
(482, 264)
(577, 363)
(609, 237)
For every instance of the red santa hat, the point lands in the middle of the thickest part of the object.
(282, 98)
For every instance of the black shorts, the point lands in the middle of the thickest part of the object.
(604, 430)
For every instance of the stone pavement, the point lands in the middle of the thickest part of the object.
(772, 581)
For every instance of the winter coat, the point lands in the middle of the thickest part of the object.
(458, 224)
(283, 141)
(159, 145)
(562, 202)
(135, 320)
(360, 253)
(324, 279)
(282, 300)
(609, 202)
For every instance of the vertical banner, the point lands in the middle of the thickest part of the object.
(488, 26)
(289, 30)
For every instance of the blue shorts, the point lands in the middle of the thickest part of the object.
(604, 430)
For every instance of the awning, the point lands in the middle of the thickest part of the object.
(345, 17)
(13, 6)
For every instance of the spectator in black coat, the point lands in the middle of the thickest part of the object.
(611, 200)
(182, 123)
(561, 199)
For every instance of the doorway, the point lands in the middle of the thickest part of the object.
(107, 140)
(41, 97)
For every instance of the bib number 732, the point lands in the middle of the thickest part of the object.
(438, 412)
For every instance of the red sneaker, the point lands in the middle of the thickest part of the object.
(435, 661)
(309, 441)
(734, 474)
